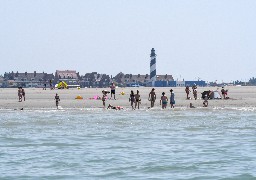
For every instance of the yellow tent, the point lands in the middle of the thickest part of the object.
(62, 85)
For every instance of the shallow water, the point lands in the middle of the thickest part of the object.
(145, 144)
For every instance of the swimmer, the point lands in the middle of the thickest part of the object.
(114, 107)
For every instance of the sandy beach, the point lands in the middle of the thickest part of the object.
(37, 98)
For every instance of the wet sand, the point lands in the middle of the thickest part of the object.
(37, 98)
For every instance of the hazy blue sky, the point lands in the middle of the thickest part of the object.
(210, 39)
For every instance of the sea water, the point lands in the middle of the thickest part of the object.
(181, 143)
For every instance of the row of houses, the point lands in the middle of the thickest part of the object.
(94, 80)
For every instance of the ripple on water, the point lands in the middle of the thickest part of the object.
(92, 143)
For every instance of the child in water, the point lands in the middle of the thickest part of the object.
(104, 97)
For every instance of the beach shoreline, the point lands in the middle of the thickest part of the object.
(37, 98)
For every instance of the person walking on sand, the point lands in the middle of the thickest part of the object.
(137, 100)
(113, 90)
(20, 94)
(187, 90)
(132, 99)
(44, 88)
(152, 97)
(164, 100)
(23, 93)
(172, 100)
(57, 100)
(50, 82)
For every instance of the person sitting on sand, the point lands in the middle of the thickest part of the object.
(132, 99)
(152, 97)
(137, 100)
(164, 100)
(114, 107)
(57, 99)
(191, 105)
(205, 103)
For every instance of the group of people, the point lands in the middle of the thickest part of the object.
(135, 99)
(21, 94)
(194, 91)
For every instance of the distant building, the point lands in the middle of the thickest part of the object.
(130, 80)
(95, 80)
(1, 81)
(186, 83)
(71, 77)
(26, 79)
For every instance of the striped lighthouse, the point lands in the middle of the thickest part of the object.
(153, 67)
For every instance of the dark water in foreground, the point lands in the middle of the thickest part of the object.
(145, 144)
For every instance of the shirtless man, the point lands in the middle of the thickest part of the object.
(113, 90)
(137, 100)
(164, 100)
(57, 99)
(152, 97)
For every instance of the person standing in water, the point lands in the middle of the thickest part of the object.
(152, 97)
(163, 101)
(132, 99)
(137, 100)
(172, 100)
(113, 90)
(57, 99)
(104, 97)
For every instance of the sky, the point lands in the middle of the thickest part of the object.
(194, 39)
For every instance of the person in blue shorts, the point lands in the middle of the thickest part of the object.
(164, 100)
(172, 101)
